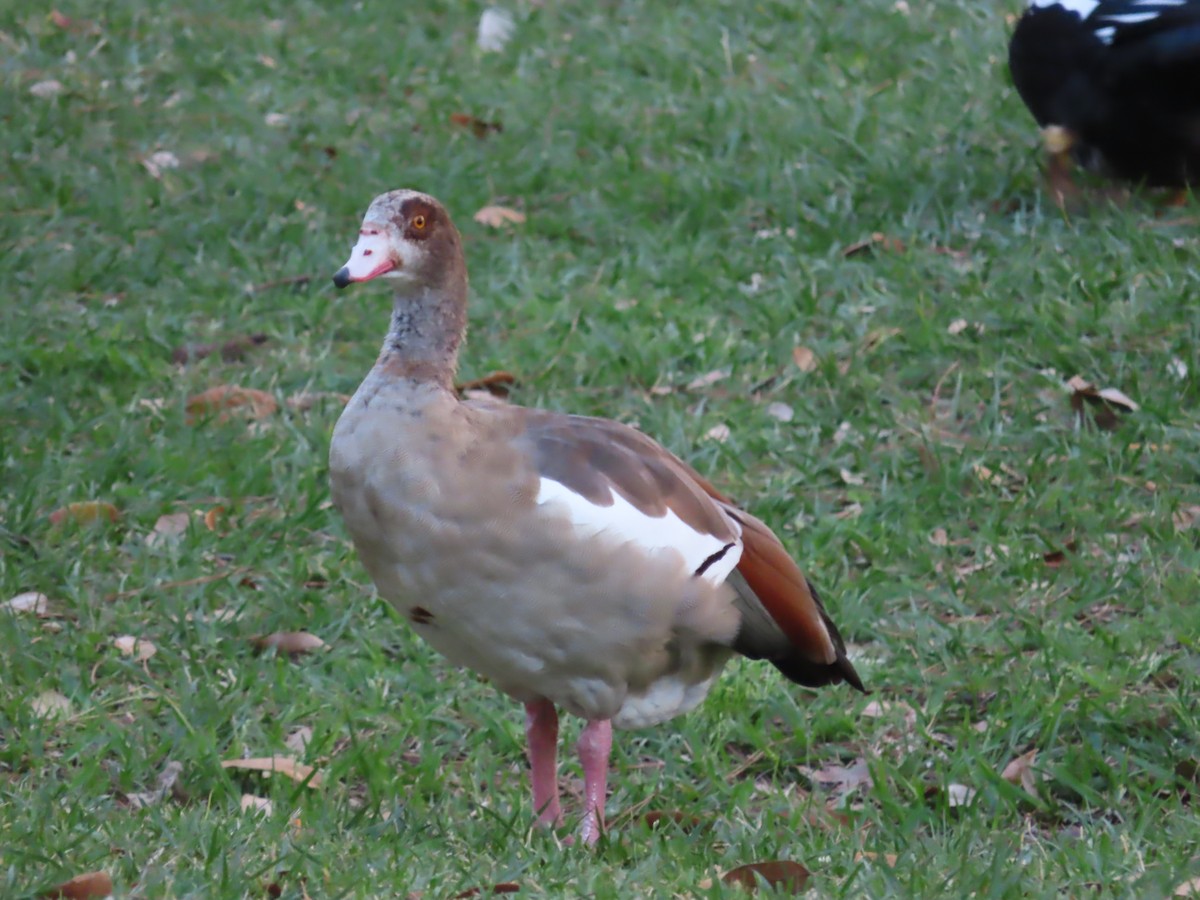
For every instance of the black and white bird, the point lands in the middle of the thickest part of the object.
(1115, 83)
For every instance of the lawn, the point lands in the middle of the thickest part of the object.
(805, 245)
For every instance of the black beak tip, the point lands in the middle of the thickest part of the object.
(341, 277)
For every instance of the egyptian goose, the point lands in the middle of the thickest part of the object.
(572, 561)
(1115, 84)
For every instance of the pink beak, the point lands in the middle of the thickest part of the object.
(370, 258)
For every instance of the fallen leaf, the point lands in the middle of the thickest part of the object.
(50, 705)
(164, 785)
(212, 516)
(959, 795)
(804, 359)
(877, 239)
(1104, 403)
(496, 28)
(140, 650)
(293, 643)
(841, 779)
(886, 709)
(1020, 771)
(708, 378)
(869, 856)
(1056, 559)
(939, 538)
(504, 887)
(83, 887)
(44, 90)
(231, 350)
(284, 765)
(1186, 517)
(775, 874)
(480, 129)
(29, 602)
(225, 398)
(1190, 888)
(780, 411)
(160, 161)
(498, 216)
(250, 803)
(168, 528)
(719, 433)
(85, 512)
(299, 739)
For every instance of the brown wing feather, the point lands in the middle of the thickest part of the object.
(783, 619)
(814, 653)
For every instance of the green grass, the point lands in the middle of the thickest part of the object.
(666, 161)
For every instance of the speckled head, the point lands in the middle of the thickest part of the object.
(407, 236)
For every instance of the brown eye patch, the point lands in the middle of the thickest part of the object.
(419, 218)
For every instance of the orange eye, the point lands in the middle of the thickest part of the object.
(418, 222)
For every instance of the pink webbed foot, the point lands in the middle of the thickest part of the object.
(541, 736)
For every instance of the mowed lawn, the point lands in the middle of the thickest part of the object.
(806, 245)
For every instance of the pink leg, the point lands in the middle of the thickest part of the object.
(541, 734)
(595, 744)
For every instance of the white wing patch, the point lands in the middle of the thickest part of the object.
(624, 522)
(1131, 18)
(1081, 8)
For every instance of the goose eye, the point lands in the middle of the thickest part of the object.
(418, 222)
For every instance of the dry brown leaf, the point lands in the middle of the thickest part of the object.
(299, 739)
(211, 517)
(877, 239)
(225, 399)
(1104, 403)
(1185, 517)
(959, 795)
(83, 887)
(50, 705)
(776, 874)
(250, 803)
(886, 709)
(479, 127)
(1020, 771)
(780, 411)
(139, 649)
(168, 528)
(29, 602)
(284, 765)
(870, 856)
(707, 379)
(1189, 888)
(719, 433)
(293, 643)
(231, 350)
(85, 513)
(804, 359)
(498, 216)
(939, 538)
(504, 887)
(841, 779)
